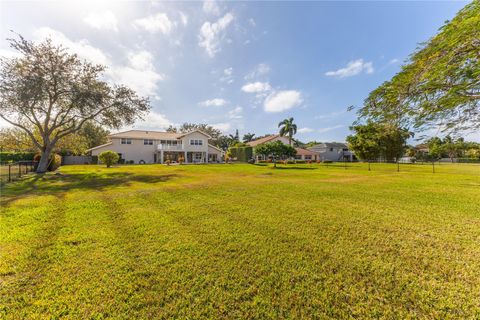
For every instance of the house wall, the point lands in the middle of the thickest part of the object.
(136, 151)
(218, 153)
(195, 135)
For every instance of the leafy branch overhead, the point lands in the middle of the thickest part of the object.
(440, 83)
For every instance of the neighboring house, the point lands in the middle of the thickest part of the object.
(333, 151)
(305, 154)
(302, 154)
(142, 146)
(271, 138)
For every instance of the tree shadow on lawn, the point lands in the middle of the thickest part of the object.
(294, 168)
(52, 184)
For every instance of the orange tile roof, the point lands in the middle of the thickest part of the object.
(263, 140)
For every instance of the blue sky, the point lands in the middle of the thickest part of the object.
(239, 65)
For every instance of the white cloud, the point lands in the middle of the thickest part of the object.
(211, 7)
(217, 102)
(255, 87)
(183, 18)
(82, 47)
(153, 121)
(155, 23)
(139, 74)
(393, 61)
(223, 126)
(228, 71)
(305, 130)
(282, 101)
(330, 115)
(102, 20)
(212, 33)
(259, 70)
(252, 22)
(327, 129)
(353, 68)
(235, 113)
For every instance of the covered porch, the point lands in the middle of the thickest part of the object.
(176, 156)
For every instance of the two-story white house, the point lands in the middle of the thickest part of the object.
(144, 146)
(333, 151)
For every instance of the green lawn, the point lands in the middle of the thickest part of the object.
(242, 241)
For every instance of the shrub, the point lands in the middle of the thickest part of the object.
(318, 161)
(241, 153)
(108, 158)
(16, 156)
(167, 162)
(55, 162)
(129, 162)
(181, 160)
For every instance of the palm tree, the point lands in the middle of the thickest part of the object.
(247, 137)
(288, 128)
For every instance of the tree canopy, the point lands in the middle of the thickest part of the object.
(378, 140)
(53, 92)
(439, 85)
(276, 149)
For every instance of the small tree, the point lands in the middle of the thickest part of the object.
(108, 158)
(277, 150)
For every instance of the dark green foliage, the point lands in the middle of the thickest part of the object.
(374, 140)
(16, 156)
(241, 153)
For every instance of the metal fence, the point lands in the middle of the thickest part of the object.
(13, 171)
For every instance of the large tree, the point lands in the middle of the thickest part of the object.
(373, 140)
(439, 86)
(53, 92)
(288, 128)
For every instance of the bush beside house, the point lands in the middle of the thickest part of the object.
(108, 158)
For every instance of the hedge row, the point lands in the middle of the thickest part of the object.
(242, 154)
(16, 156)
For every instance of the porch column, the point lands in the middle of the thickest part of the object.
(161, 156)
(206, 156)
(185, 156)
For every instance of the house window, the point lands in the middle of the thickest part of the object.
(195, 142)
(148, 142)
(126, 141)
(198, 156)
(331, 149)
(345, 149)
(298, 157)
(308, 157)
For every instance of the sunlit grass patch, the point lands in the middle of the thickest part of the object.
(242, 241)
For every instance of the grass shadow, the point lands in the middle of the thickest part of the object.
(53, 184)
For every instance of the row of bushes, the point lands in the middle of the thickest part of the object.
(16, 156)
(295, 161)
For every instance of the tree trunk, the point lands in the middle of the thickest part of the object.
(43, 163)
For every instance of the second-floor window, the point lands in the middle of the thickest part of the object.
(196, 142)
(126, 141)
(148, 142)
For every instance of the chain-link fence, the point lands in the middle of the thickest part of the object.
(13, 171)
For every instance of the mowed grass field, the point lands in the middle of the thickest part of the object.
(242, 242)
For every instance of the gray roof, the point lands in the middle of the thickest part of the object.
(335, 145)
